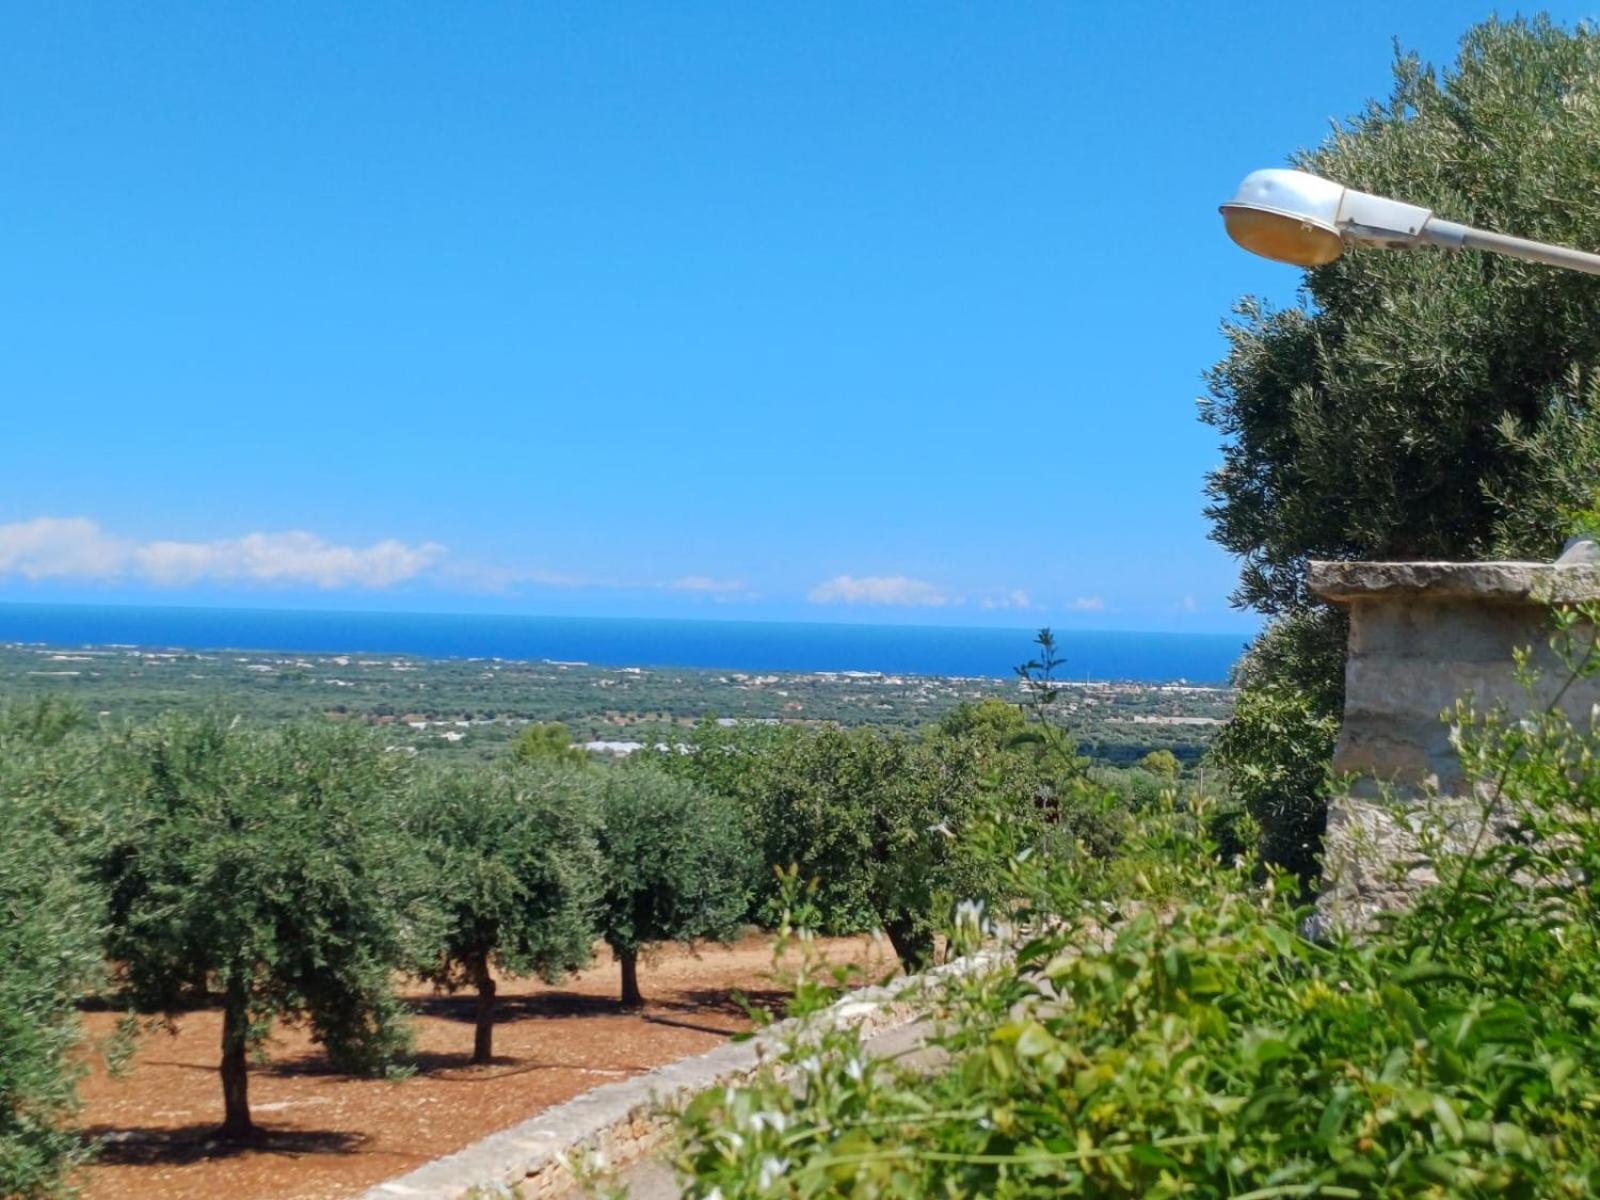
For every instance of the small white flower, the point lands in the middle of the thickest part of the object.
(775, 1121)
(969, 918)
(1024, 854)
(810, 1065)
(942, 827)
(855, 1070)
(714, 1194)
(772, 1170)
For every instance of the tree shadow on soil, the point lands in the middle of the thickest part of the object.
(462, 1006)
(457, 1067)
(675, 1010)
(449, 1066)
(201, 1142)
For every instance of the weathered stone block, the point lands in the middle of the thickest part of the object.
(1424, 635)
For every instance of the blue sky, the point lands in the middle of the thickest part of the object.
(825, 311)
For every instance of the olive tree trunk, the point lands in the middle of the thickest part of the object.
(631, 996)
(913, 944)
(236, 1122)
(483, 1033)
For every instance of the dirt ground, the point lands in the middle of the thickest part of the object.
(327, 1135)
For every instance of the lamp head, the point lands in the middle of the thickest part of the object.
(1304, 219)
(1287, 216)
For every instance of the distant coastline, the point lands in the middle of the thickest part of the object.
(619, 642)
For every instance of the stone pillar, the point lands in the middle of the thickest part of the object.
(1422, 636)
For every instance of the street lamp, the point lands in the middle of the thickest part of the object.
(1300, 218)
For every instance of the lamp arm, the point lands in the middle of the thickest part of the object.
(1452, 236)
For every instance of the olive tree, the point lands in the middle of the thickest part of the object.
(880, 822)
(49, 954)
(677, 866)
(264, 865)
(516, 871)
(1415, 405)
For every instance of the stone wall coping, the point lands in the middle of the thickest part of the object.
(623, 1121)
(1530, 583)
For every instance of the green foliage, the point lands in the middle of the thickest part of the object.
(49, 953)
(676, 864)
(1275, 751)
(1561, 490)
(1161, 762)
(876, 819)
(266, 865)
(992, 722)
(516, 871)
(1524, 854)
(547, 741)
(1164, 1029)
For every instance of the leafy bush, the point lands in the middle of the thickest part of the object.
(1275, 750)
(676, 865)
(548, 741)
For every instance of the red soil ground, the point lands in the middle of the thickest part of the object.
(327, 1135)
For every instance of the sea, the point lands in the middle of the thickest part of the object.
(1197, 658)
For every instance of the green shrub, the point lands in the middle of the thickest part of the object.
(548, 741)
(1275, 751)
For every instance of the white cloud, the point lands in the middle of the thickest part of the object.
(59, 548)
(1089, 604)
(77, 548)
(498, 580)
(1188, 604)
(1015, 598)
(705, 585)
(880, 589)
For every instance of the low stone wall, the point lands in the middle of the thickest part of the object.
(621, 1123)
